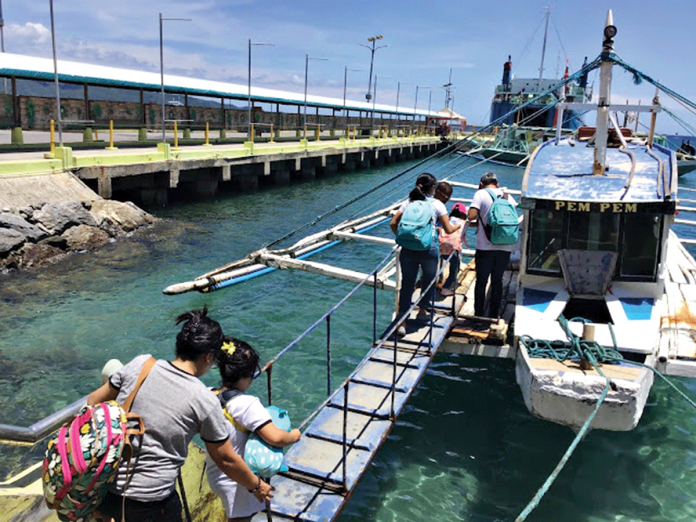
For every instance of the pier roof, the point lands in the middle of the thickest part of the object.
(34, 68)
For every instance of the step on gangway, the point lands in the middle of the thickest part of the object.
(343, 434)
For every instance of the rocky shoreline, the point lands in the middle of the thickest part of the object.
(38, 235)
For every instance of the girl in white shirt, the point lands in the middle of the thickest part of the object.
(238, 362)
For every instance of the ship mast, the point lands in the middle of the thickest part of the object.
(543, 47)
(605, 74)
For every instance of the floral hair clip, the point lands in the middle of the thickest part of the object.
(228, 347)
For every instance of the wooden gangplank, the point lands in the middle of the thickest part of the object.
(320, 480)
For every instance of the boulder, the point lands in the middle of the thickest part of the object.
(9, 240)
(127, 216)
(84, 237)
(59, 217)
(39, 254)
(21, 225)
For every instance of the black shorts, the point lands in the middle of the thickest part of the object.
(168, 510)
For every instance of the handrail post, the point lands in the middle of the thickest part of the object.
(392, 417)
(251, 138)
(207, 133)
(374, 309)
(270, 387)
(271, 140)
(328, 355)
(345, 435)
(176, 135)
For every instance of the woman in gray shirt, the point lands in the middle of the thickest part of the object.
(174, 406)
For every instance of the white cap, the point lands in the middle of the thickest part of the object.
(111, 367)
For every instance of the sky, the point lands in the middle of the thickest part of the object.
(424, 40)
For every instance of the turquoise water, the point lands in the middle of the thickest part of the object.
(464, 449)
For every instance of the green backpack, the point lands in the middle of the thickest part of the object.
(502, 227)
(416, 229)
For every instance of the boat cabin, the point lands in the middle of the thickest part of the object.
(595, 246)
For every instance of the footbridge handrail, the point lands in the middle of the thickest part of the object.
(21, 436)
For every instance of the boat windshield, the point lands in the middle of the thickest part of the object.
(636, 237)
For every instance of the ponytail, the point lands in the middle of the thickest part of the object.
(424, 184)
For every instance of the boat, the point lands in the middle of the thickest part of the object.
(602, 271)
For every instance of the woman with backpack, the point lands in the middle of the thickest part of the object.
(174, 405)
(414, 226)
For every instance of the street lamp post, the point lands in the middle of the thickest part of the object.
(374, 98)
(55, 78)
(415, 105)
(249, 92)
(306, 71)
(161, 19)
(372, 48)
(345, 86)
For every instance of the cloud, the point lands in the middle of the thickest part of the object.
(29, 35)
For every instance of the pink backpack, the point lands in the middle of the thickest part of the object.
(450, 242)
(82, 458)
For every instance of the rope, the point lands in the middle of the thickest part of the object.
(595, 354)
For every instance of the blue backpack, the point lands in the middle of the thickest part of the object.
(416, 229)
(502, 227)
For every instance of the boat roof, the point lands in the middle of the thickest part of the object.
(563, 171)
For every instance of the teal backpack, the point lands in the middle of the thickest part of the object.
(503, 225)
(416, 229)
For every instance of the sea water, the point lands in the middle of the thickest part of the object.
(465, 447)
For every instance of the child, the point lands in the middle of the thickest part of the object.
(452, 244)
(238, 362)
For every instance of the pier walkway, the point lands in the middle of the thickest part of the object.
(150, 175)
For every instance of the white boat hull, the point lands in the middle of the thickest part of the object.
(566, 395)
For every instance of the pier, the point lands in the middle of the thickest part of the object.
(155, 175)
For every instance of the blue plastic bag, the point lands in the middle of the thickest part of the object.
(263, 459)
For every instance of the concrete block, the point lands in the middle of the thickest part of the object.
(165, 149)
(64, 154)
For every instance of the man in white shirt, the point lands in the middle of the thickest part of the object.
(491, 260)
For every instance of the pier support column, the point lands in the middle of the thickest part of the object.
(104, 184)
(174, 178)
(226, 173)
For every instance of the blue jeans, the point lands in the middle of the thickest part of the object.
(410, 262)
(489, 264)
(454, 264)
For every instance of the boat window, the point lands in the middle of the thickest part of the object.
(592, 231)
(640, 246)
(546, 238)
